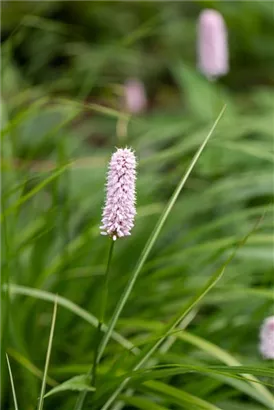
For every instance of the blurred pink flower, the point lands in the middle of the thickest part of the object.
(212, 44)
(135, 96)
(119, 211)
(267, 338)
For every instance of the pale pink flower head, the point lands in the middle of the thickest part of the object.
(212, 44)
(267, 338)
(135, 96)
(119, 210)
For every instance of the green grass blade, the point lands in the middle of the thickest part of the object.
(77, 310)
(248, 150)
(76, 383)
(34, 191)
(43, 387)
(12, 384)
(180, 397)
(22, 116)
(93, 107)
(142, 403)
(28, 365)
(151, 241)
(167, 370)
(8, 233)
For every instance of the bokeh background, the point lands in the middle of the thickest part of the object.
(65, 65)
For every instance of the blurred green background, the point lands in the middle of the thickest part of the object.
(64, 66)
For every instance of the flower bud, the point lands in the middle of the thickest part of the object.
(212, 44)
(267, 338)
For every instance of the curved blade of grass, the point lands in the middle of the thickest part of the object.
(168, 370)
(12, 384)
(232, 292)
(34, 191)
(43, 387)
(67, 304)
(8, 232)
(254, 150)
(28, 365)
(76, 383)
(151, 241)
(93, 107)
(142, 403)
(22, 115)
(179, 396)
(219, 222)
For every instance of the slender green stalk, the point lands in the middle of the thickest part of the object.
(44, 381)
(92, 371)
(8, 235)
(103, 309)
(5, 278)
(151, 241)
(106, 282)
(61, 199)
(12, 385)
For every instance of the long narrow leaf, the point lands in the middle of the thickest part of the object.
(43, 387)
(179, 396)
(142, 403)
(77, 310)
(34, 191)
(12, 385)
(76, 383)
(28, 365)
(173, 369)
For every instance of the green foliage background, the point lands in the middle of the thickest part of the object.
(63, 69)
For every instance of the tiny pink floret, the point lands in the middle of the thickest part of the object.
(135, 96)
(212, 47)
(119, 210)
(267, 338)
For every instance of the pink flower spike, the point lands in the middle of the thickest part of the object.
(212, 45)
(135, 96)
(119, 210)
(267, 338)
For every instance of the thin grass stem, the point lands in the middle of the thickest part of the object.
(92, 371)
(44, 381)
(103, 309)
(12, 385)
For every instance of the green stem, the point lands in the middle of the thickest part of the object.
(92, 371)
(103, 310)
(106, 282)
